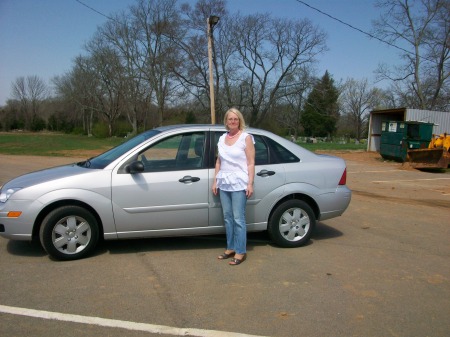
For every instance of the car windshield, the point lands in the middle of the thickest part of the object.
(104, 159)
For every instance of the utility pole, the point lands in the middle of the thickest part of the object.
(211, 22)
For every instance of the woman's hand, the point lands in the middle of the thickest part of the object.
(214, 187)
(217, 169)
(249, 190)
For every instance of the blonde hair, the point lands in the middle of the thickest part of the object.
(242, 125)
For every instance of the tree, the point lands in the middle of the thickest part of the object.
(255, 59)
(289, 110)
(321, 111)
(30, 92)
(423, 28)
(121, 34)
(110, 87)
(78, 89)
(192, 70)
(270, 51)
(158, 24)
(356, 100)
(154, 56)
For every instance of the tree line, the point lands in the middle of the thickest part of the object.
(148, 66)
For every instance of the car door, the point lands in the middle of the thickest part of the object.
(269, 182)
(171, 193)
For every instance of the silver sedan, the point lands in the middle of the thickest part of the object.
(159, 184)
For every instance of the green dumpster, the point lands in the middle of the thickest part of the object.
(397, 137)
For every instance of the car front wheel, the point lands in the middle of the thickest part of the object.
(69, 233)
(292, 224)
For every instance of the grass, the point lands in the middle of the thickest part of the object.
(52, 144)
(60, 145)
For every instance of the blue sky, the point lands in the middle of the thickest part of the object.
(42, 37)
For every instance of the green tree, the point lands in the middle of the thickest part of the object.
(321, 111)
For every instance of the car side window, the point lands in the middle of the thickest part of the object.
(261, 151)
(180, 152)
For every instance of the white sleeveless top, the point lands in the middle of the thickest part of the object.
(233, 173)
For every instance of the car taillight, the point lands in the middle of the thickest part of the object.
(343, 180)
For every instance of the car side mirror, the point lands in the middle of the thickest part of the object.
(135, 167)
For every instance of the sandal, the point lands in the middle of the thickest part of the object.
(234, 261)
(225, 256)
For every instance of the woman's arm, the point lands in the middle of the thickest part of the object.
(217, 168)
(250, 154)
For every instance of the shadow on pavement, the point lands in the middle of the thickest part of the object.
(136, 246)
(25, 248)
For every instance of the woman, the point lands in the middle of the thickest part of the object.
(234, 175)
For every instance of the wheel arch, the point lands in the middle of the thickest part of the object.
(297, 196)
(67, 202)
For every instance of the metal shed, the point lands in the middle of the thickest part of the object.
(440, 119)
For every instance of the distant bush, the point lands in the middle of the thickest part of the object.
(122, 129)
(38, 124)
(60, 122)
(78, 130)
(100, 130)
(190, 118)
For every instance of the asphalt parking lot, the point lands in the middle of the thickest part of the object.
(381, 269)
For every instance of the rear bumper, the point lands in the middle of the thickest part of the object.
(335, 204)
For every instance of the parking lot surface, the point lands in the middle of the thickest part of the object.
(381, 269)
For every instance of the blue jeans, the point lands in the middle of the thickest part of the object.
(233, 207)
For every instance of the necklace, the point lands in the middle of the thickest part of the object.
(228, 134)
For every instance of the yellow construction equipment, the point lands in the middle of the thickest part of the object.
(437, 155)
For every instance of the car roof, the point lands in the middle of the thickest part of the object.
(219, 127)
(183, 126)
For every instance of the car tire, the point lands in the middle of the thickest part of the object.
(69, 233)
(292, 224)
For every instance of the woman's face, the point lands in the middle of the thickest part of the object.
(232, 121)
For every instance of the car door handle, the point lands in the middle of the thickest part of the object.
(265, 173)
(189, 179)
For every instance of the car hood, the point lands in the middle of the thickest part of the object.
(46, 175)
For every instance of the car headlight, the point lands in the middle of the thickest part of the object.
(6, 194)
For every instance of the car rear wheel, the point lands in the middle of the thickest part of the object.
(69, 233)
(292, 224)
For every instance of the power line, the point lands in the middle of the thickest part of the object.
(305, 4)
(355, 28)
(93, 9)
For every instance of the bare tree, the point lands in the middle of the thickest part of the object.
(30, 92)
(157, 25)
(110, 90)
(79, 87)
(229, 66)
(423, 27)
(295, 91)
(192, 70)
(356, 100)
(254, 58)
(142, 42)
(141, 56)
(122, 34)
(270, 50)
